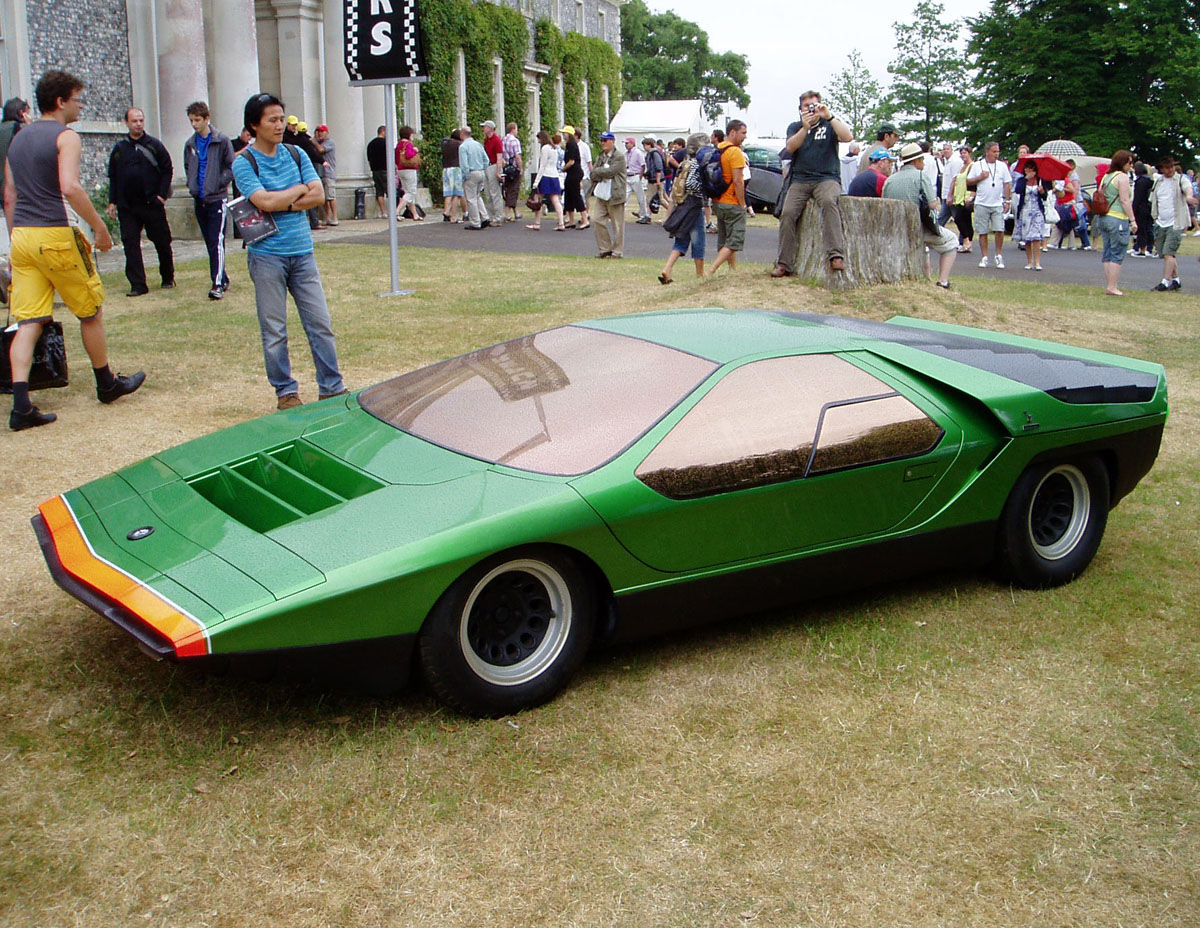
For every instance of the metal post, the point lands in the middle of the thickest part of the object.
(393, 238)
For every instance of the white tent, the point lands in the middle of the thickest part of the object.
(662, 119)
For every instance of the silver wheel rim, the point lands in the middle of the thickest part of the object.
(502, 646)
(1059, 512)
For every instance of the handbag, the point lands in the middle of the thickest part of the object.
(602, 190)
(928, 222)
(49, 367)
(683, 217)
(777, 211)
(1099, 201)
(1050, 210)
(535, 201)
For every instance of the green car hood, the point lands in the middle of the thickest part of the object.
(269, 508)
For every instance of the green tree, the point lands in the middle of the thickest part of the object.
(855, 96)
(1107, 73)
(667, 57)
(929, 73)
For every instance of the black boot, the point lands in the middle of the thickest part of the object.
(120, 386)
(17, 421)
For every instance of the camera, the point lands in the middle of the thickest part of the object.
(812, 107)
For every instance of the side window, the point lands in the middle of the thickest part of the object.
(865, 432)
(759, 425)
(761, 158)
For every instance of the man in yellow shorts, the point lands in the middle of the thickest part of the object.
(48, 254)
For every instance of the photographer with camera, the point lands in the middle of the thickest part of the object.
(816, 174)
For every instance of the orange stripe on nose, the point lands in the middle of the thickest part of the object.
(184, 631)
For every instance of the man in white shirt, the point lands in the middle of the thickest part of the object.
(992, 183)
(850, 165)
(1170, 198)
(951, 164)
(932, 170)
(635, 167)
(585, 154)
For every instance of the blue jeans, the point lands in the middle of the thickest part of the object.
(211, 219)
(695, 237)
(274, 277)
(1081, 230)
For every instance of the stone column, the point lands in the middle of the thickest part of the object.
(345, 115)
(267, 41)
(301, 77)
(182, 79)
(232, 49)
(182, 72)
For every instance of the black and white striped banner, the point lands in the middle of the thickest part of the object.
(383, 42)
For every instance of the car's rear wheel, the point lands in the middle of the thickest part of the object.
(509, 633)
(1053, 522)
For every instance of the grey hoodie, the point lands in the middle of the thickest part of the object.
(218, 174)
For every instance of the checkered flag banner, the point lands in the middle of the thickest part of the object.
(383, 42)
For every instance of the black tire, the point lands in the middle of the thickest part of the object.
(1053, 522)
(509, 633)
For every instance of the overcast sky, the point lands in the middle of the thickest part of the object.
(799, 46)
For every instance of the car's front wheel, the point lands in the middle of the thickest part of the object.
(1053, 522)
(509, 633)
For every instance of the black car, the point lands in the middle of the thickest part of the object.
(766, 172)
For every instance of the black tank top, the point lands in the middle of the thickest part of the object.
(33, 160)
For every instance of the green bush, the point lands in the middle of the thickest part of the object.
(99, 198)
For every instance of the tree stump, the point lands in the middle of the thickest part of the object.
(882, 244)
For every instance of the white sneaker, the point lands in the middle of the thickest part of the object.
(1029, 267)
(983, 261)
(1000, 262)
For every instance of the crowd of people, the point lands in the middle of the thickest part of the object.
(482, 180)
(987, 199)
(963, 202)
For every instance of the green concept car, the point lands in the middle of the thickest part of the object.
(489, 518)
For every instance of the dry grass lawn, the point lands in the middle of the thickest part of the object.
(944, 753)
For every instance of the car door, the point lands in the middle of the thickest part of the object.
(780, 455)
(766, 174)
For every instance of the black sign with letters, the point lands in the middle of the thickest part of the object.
(383, 42)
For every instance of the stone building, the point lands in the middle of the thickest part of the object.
(161, 55)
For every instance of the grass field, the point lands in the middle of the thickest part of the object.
(948, 752)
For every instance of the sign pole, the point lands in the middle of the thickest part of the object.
(383, 46)
(393, 236)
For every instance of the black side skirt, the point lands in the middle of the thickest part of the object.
(760, 589)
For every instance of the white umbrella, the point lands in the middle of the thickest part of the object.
(1061, 148)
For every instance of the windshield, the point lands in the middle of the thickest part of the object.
(559, 402)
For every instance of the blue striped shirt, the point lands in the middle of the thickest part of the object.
(278, 173)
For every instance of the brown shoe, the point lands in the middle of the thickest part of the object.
(837, 264)
(780, 271)
(290, 401)
(329, 396)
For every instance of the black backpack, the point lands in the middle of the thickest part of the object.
(292, 150)
(712, 177)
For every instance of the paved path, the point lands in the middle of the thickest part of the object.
(649, 241)
(1061, 266)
